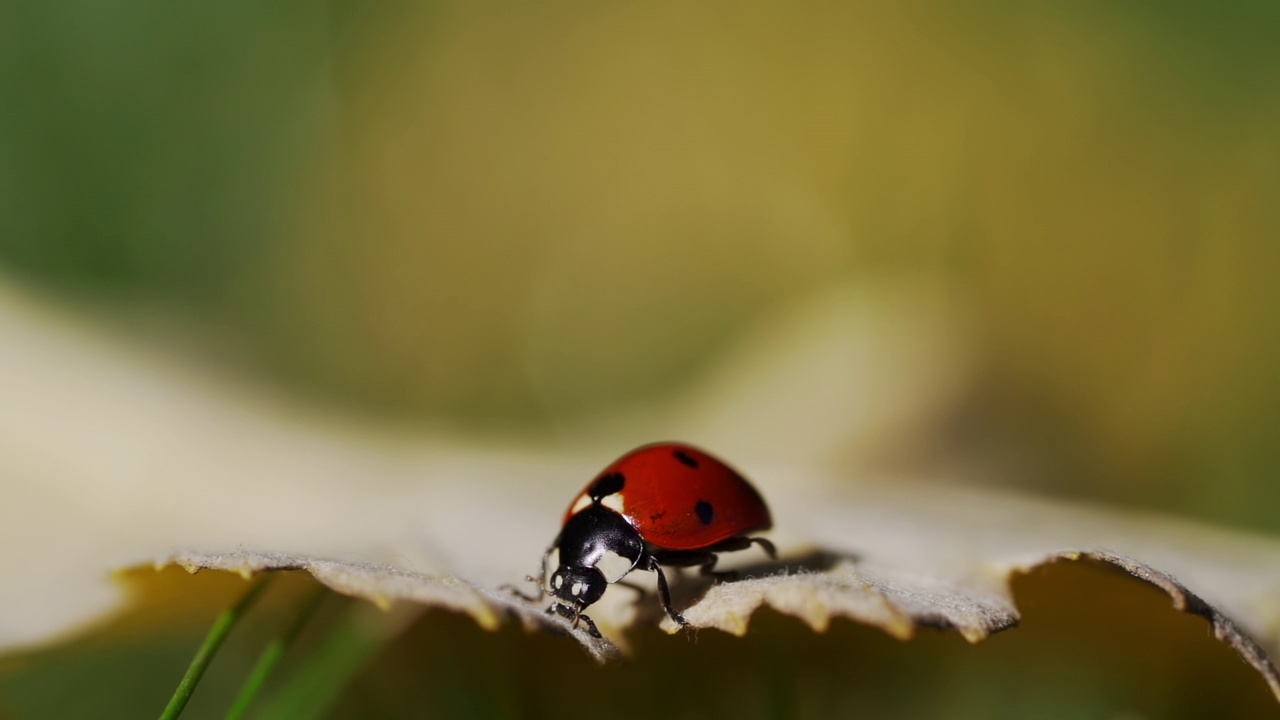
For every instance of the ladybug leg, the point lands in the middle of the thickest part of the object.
(707, 559)
(708, 568)
(512, 589)
(541, 580)
(765, 545)
(732, 544)
(574, 614)
(664, 593)
(539, 583)
(591, 626)
(742, 542)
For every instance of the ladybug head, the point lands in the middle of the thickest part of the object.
(577, 585)
(596, 546)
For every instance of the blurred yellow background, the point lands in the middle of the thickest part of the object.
(531, 219)
(499, 216)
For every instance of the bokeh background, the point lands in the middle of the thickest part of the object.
(525, 218)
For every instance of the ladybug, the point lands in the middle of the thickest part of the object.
(662, 504)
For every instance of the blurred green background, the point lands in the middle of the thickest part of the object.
(508, 216)
(500, 215)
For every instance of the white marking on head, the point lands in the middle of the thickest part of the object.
(559, 582)
(576, 590)
(582, 502)
(614, 566)
(613, 502)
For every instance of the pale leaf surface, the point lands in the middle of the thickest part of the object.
(117, 456)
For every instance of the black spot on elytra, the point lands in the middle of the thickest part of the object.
(607, 485)
(705, 511)
(685, 458)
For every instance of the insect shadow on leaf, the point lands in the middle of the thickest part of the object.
(689, 587)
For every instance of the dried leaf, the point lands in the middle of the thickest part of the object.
(203, 474)
(886, 585)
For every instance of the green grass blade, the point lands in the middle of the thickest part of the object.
(221, 628)
(324, 673)
(274, 653)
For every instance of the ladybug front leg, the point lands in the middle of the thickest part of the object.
(664, 593)
(539, 583)
(591, 626)
(575, 614)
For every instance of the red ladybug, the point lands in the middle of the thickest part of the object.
(662, 504)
